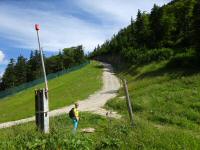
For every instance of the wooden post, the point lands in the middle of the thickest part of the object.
(129, 105)
(41, 110)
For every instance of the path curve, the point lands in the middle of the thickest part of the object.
(93, 103)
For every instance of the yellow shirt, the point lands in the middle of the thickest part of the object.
(76, 112)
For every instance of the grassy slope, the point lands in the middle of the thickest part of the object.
(60, 137)
(63, 91)
(166, 105)
(116, 134)
(166, 111)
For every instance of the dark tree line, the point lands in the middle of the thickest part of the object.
(166, 30)
(24, 70)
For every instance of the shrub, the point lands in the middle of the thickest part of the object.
(143, 56)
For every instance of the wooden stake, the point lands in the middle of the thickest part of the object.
(129, 105)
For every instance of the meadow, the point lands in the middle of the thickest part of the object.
(61, 137)
(63, 90)
(166, 116)
(166, 105)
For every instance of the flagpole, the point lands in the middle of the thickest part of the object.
(42, 59)
(44, 107)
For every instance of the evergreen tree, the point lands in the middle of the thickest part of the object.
(168, 26)
(52, 65)
(24, 71)
(34, 67)
(168, 23)
(60, 61)
(142, 32)
(155, 26)
(9, 78)
(29, 75)
(20, 70)
(132, 34)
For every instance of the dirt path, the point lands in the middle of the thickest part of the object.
(93, 103)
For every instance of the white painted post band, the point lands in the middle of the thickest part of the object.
(46, 111)
(42, 110)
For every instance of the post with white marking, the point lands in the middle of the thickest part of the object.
(41, 97)
(129, 105)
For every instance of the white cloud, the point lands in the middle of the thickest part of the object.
(2, 56)
(119, 11)
(3, 63)
(63, 30)
(57, 31)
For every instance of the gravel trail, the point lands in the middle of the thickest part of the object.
(93, 103)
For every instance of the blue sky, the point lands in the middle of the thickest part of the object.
(64, 23)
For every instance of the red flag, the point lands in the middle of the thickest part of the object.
(37, 27)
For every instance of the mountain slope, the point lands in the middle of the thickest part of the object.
(166, 105)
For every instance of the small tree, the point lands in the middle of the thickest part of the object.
(9, 78)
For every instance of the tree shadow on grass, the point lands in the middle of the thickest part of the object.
(176, 68)
(100, 66)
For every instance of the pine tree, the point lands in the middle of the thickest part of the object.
(34, 67)
(60, 61)
(132, 39)
(9, 78)
(21, 70)
(29, 75)
(155, 26)
(142, 30)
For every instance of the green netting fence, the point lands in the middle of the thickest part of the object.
(14, 90)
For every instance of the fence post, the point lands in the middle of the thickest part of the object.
(129, 105)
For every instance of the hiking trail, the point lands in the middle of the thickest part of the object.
(94, 103)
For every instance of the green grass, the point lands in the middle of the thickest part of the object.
(63, 91)
(114, 134)
(166, 101)
(166, 105)
(60, 137)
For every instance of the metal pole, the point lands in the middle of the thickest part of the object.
(44, 109)
(129, 103)
(42, 59)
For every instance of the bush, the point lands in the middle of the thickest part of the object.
(159, 54)
(143, 56)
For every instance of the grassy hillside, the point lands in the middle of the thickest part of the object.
(114, 134)
(166, 115)
(166, 104)
(63, 91)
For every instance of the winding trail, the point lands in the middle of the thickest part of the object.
(93, 103)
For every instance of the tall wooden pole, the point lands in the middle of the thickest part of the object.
(129, 105)
(42, 59)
